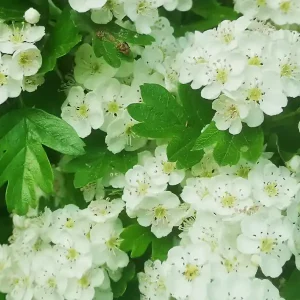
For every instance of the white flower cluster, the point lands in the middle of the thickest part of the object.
(66, 254)
(280, 12)
(240, 218)
(146, 196)
(20, 59)
(111, 90)
(247, 67)
(144, 13)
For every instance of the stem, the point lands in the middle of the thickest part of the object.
(54, 10)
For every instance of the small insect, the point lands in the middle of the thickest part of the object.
(100, 34)
(124, 48)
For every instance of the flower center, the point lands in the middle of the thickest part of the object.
(285, 6)
(143, 188)
(84, 282)
(232, 112)
(228, 38)
(3, 79)
(95, 68)
(72, 254)
(160, 212)
(142, 7)
(271, 189)
(169, 167)
(24, 59)
(229, 264)
(113, 107)
(266, 245)
(113, 242)
(17, 36)
(286, 70)
(83, 111)
(260, 3)
(70, 223)
(243, 171)
(228, 200)
(254, 61)
(38, 245)
(191, 272)
(255, 94)
(222, 76)
(52, 283)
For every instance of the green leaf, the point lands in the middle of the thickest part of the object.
(12, 10)
(23, 161)
(180, 149)
(291, 289)
(126, 35)
(108, 50)
(161, 247)
(137, 239)
(62, 39)
(161, 116)
(119, 287)
(141, 244)
(229, 148)
(98, 162)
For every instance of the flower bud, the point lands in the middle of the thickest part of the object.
(32, 16)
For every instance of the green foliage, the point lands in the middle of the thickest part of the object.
(161, 116)
(229, 148)
(110, 40)
(119, 287)
(23, 161)
(62, 39)
(137, 239)
(12, 10)
(291, 289)
(98, 162)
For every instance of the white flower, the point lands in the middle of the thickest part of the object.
(197, 193)
(207, 228)
(264, 91)
(112, 8)
(272, 185)
(85, 5)
(17, 36)
(25, 62)
(139, 185)
(161, 211)
(230, 195)
(228, 32)
(49, 282)
(101, 211)
(105, 245)
(284, 11)
(84, 288)
(225, 72)
(229, 114)
(5, 260)
(18, 281)
(31, 83)
(9, 87)
(285, 62)
(120, 135)
(115, 97)
(82, 112)
(90, 70)
(264, 290)
(74, 257)
(161, 170)
(152, 283)
(181, 5)
(189, 268)
(230, 287)
(251, 8)
(266, 238)
(143, 13)
(32, 16)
